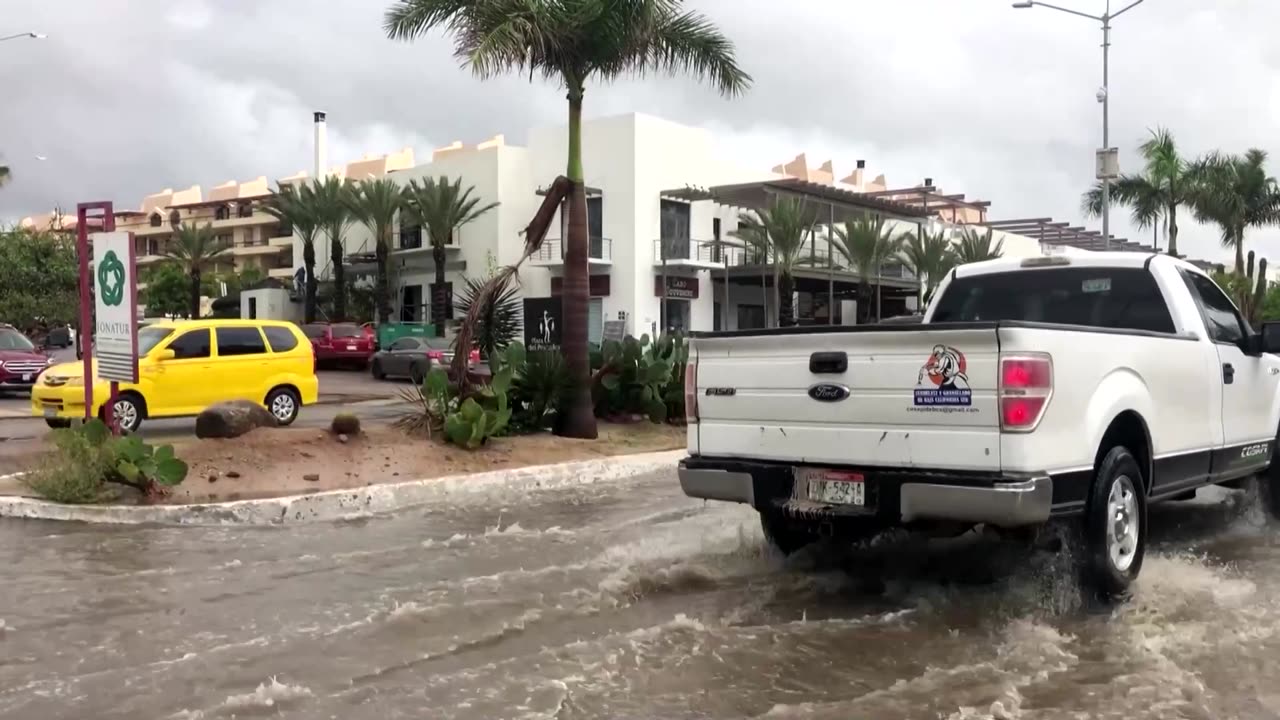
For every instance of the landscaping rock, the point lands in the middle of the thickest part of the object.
(342, 437)
(232, 474)
(232, 419)
(213, 477)
(311, 477)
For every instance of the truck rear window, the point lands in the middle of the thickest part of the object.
(1124, 298)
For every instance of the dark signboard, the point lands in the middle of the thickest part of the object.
(598, 286)
(543, 320)
(678, 287)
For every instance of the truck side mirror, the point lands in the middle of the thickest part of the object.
(1271, 337)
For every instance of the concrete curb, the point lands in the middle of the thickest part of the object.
(351, 503)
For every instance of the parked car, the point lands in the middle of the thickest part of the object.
(20, 362)
(184, 366)
(371, 331)
(1080, 387)
(412, 357)
(340, 343)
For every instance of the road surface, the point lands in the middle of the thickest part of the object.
(626, 600)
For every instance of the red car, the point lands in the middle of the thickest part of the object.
(20, 362)
(338, 343)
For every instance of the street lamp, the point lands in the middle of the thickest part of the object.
(32, 35)
(1107, 165)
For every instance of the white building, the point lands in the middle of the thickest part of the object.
(648, 180)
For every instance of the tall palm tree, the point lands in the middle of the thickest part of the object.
(930, 257)
(295, 207)
(755, 245)
(195, 248)
(865, 244)
(442, 207)
(575, 42)
(1168, 181)
(333, 211)
(975, 247)
(784, 223)
(1236, 193)
(5, 175)
(374, 203)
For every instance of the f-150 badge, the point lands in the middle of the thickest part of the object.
(942, 380)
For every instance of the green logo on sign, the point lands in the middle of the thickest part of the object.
(111, 279)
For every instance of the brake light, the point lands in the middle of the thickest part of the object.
(1026, 385)
(315, 361)
(691, 391)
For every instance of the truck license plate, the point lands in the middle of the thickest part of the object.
(836, 487)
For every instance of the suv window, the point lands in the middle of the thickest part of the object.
(404, 344)
(281, 339)
(1220, 317)
(240, 341)
(1124, 298)
(346, 331)
(191, 344)
(314, 332)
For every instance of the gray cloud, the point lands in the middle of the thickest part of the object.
(129, 96)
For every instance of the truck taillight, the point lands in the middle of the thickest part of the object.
(1026, 385)
(691, 391)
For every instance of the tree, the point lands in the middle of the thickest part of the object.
(500, 321)
(784, 224)
(374, 203)
(167, 292)
(976, 247)
(5, 175)
(865, 244)
(929, 257)
(39, 277)
(194, 248)
(1235, 193)
(1168, 181)
(442, 207)
(575, 42)
(295, 208)
(755, 243)
(332, 208)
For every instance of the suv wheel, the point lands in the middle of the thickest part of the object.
(1115, 525)
(284, 405)
(376, 369)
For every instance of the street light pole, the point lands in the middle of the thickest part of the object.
(32, 35)
(1104, 95)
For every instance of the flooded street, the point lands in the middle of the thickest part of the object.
(624, 600)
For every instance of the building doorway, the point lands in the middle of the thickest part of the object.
(411, 305)
(677, 316)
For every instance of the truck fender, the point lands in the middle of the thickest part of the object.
(1120, 391)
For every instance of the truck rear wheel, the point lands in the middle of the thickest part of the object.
(782, 535)
(1115, 525)
(1269, 484)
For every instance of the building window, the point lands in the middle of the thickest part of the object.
(244, 210)
(174, 217)
(750, 317)
(156, 219)
(222, 212)
(675, 229)
(410, 237)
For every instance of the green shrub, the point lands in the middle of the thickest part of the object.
(86, 458)
(75, 472)
(539, 388)
(345, 424)
(639, 377)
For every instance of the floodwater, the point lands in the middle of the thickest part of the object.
(624, 601)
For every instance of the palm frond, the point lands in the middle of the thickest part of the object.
(195, 247)
(975, 246)
(442, 206)
(866, 244)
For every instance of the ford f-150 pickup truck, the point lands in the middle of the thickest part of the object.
(1084, 387)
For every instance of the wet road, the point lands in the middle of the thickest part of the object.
(623, 601)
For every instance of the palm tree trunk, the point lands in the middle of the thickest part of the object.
(339, 276)
(195, 293)
(382, 290)
(1173, 231)
(309, 294)
(579, 419)
(764, 294)
(878, 284)
(439, 298)
(786, 302)
(1239, 243)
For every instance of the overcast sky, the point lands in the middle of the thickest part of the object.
(127, 97)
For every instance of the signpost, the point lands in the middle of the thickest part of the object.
(108, 322)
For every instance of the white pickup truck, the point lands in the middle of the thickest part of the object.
(1082, 387)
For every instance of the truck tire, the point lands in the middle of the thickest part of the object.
(1269, 484)
(781, 535)
(1115, 525)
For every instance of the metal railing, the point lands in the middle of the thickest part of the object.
(553, 249)
(687, 249)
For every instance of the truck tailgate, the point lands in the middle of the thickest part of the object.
(909, 397)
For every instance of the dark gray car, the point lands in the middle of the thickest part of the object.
(411, 357)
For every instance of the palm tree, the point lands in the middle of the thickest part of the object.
(333, 212)
(1167, 182)
(575, 42)
(865, 243)
(294, 207)
(976, 247)
(441, 208)
(1236, 193)
(5, 175)
(784, 223)
(374, 203)
(929, 257)
(195, 249)
(755, 245)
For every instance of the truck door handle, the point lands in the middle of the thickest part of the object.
(1228, 374)
(834, 363)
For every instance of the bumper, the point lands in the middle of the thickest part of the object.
(344, 355)
(896, 496)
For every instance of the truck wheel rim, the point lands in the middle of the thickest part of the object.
(1122, 523)
(126, 414)
(282, 407)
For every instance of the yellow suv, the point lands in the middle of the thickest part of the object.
(184, 366)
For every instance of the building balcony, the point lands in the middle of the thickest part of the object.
(149, 259)
(164, 228)
(684, 252)
(281, 239)
(551, 254)
(281, 273)
(415, 241)
(255, 247)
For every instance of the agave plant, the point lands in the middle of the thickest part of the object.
(976, 247)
